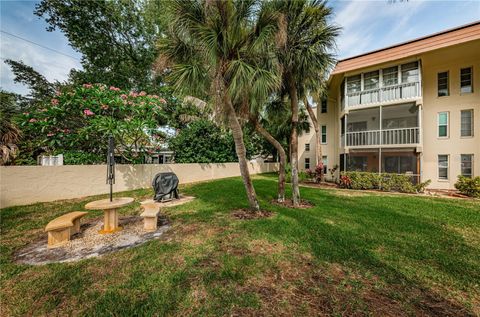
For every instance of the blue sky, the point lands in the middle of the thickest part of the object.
(367, 25)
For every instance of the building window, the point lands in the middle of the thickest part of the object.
(325, 163)
(443, 167)
(410, 72)
(370, 80)
(390, 76)
(466, 80)
(307, 163)
(324, 105)
(443, 124)
(354, 84)
(466, 165)
(307, 147)
(466, 122)
(324, 134)
(442, 82)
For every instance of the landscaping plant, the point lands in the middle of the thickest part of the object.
(381, 181)
(78, 120)
(468, 186)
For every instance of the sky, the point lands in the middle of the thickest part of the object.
(366, 26)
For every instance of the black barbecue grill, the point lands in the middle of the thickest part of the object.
(165, 186)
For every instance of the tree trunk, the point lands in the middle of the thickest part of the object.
(292, 91)
(241, 154)
(281, 154)
(318, 143)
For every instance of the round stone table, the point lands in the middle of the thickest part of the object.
(110, 222)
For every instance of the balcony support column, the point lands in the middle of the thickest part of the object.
(381, 142)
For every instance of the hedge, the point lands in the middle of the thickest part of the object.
(381, 181)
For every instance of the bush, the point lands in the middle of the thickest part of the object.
(384, 181)
(82, 158)
(302, 176)
(468, 186)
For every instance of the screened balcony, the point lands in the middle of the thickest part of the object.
(385, 85)
(386, 126)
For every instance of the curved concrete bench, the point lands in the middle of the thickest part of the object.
(150, 216)
(62, 228)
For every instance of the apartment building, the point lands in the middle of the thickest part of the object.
(411, 108)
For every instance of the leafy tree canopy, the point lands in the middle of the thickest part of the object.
(116, 38)
(202, 141)
(80, 119)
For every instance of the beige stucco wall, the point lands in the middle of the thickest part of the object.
(446, 59)
(449, 59)
(21, 185)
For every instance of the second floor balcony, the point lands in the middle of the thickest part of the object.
(394, 125)
(393, 84)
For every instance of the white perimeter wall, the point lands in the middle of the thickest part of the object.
(22, 185)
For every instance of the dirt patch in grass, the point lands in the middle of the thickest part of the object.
(262, 246)
(246, 214)
(304, 204)
(300, 287)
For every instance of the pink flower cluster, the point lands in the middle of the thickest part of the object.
(88, 112)
(123, 96)
(87, 85)
(54, 101)
(114, 88)
(32, 120)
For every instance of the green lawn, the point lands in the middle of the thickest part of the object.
(354, 253)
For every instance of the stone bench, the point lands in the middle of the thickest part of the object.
(150, 216)
(62, 228)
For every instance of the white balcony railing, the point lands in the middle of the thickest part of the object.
(384, 94)
(383, 137)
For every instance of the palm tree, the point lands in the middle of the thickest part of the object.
(256, 122)
(304, 42)
(209, 49)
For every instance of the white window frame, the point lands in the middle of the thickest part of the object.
(448, 125)
(472, 124)
(325, 164)
(448, 168)
(471, 164)
(322, 134)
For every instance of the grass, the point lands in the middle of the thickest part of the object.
(354, 253)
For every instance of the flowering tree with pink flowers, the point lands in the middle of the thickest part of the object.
(78, 121)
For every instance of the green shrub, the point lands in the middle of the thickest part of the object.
(383, 181)
(302, 176)
(82, 158)
(468, 186)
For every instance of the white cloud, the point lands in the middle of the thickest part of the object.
(368, 25)
(52, 65)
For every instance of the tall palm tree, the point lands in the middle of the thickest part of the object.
(208, 49)
(305, 41)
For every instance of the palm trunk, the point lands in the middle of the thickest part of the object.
(241, 154)
(281, 154)
(292, 91)
(318, 143)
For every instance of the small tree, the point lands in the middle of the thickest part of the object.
(80, 119)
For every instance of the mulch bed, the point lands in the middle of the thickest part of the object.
(319, 185)
(304, 204)
(246, 214)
